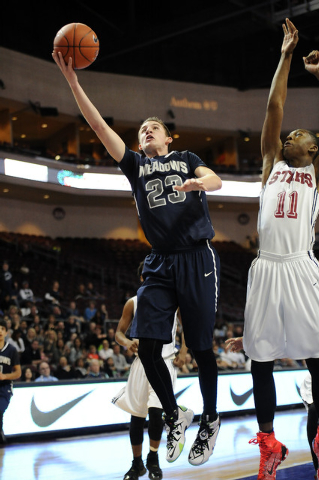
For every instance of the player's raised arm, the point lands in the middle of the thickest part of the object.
(271, 145)
(311, 63)
(112, 142)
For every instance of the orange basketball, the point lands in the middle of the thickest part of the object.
(78, 41)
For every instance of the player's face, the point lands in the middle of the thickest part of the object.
(152, 136)
(3, 333)
(297, 144)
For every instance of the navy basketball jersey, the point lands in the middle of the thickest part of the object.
(170, 219)
(9, 357)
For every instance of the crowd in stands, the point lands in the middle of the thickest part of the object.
(74, 338)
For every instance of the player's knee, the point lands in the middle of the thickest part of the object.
(137, 430)
(155, 424)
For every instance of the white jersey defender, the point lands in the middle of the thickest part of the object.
(281, 314)
(138, 396)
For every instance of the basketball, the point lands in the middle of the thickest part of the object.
(78, 41)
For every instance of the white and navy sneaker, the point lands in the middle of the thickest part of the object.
(175, 429)
(205, 441)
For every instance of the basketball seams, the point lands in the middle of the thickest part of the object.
(69, 40)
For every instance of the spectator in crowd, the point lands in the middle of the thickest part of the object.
(5, 302)
(16, 321)
(34, 312)
(54, 296)
(74, 312)
(79, 369)
(28, 375)
(94, 370)
(30, 336)
(220, 329)
(111, 336)
(77, 351)
(119, 360)
(58, 313)
(6, 281)
(81, 292)
(17, 341)
(26, 296)
(91, 337)
(92, 353)
(65, 371)
(190, 365)
(90, 311)
(110, 368)
(50, 346)
(104, 350)
(71, 326)
(45, 373)
(31, 354)
(23, 328)
(91, 292)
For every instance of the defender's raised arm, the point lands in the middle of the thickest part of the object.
(271, 145)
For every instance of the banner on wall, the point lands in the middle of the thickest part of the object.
(63, 406)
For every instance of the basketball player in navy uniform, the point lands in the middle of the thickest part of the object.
(281, 314)
(182, 269)
(10, 370)
(138, 398)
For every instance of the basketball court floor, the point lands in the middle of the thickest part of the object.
(108, 456)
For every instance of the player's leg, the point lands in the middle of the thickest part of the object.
(5, 396)
(133, 398)
(198, 296)
(313, 366)
(177, 418)
(312, 427)
(155, 428)
(136, 437)
(272, 452)
(157, 304)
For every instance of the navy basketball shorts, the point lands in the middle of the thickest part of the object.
(5, 396)
(188, 279)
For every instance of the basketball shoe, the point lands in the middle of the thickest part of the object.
(272, 453)
(205, 441)
(315, 447)
(135, 471)
(175, 428)
(152, 465)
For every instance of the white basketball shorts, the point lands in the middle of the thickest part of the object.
(138, 396)
(282, 307)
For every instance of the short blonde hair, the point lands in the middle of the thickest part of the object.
(158, 120)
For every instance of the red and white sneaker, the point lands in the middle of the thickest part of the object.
(272, 453)
(315, 447)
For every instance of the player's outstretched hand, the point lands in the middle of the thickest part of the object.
(311, 63)
(290, 37)
(66, 69)
(234, 344)
(190, 185)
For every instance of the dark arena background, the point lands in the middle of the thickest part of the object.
(68, 221)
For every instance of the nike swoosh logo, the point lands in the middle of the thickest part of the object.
(272, 468)
(240, 399)
(298, 389)
(178, 394)
(207, 274)
(45, 419)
